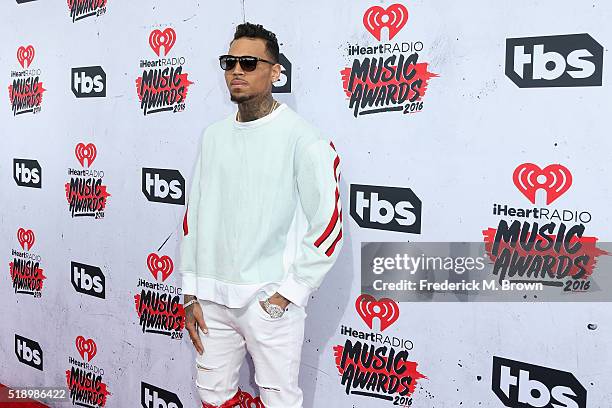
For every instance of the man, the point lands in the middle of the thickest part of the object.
(262, 228)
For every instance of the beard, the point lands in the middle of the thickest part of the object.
(240, 98)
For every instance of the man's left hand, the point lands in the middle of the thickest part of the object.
(277, 299)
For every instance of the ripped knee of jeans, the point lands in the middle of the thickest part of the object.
(202, 367)
(266, 388)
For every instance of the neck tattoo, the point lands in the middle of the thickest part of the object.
(274, 106)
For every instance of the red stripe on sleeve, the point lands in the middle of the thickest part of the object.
(332, 247)
(331, 224)
(185, 225)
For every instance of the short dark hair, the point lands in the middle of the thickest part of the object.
(257, 31)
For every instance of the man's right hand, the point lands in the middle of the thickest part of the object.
(194, 318)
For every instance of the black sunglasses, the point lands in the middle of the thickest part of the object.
(247, 63)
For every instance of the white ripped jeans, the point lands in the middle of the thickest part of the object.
(275, 346)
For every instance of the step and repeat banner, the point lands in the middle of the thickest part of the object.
(460, 125)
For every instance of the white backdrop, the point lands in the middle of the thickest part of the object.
(457, 155)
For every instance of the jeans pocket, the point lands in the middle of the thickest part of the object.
(265, 315)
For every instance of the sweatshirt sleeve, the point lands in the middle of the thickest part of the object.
(188, 251)
(317, 177)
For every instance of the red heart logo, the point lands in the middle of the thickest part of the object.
(394, 18)
(25, 237)
(385, 309)
(25, 54)
(555, 179)
(86, 346)
(165, 38)
(159, 264)
(83, 151)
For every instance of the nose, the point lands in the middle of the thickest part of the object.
(237, 69)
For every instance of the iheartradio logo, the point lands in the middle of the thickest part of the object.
(160, 264)
(394, 18)
(166, 39)
(25, 55)
(25, 237)
(85, 152)
(555, 179)
(387, 310)
(86, 347)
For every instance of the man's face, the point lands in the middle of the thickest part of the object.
(242, 85)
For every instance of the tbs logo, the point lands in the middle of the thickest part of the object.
(522, 385)
(27, 173)
(386, 208)
(163, 185)
(89, 82)
(554, 61)
(154, 397)
(88, 279)
(29, 352)
(284, 81)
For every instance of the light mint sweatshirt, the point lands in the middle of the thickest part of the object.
(264, 211)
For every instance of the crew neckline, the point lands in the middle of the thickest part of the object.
(261, 121)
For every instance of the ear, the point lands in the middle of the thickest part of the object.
(276, 71)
